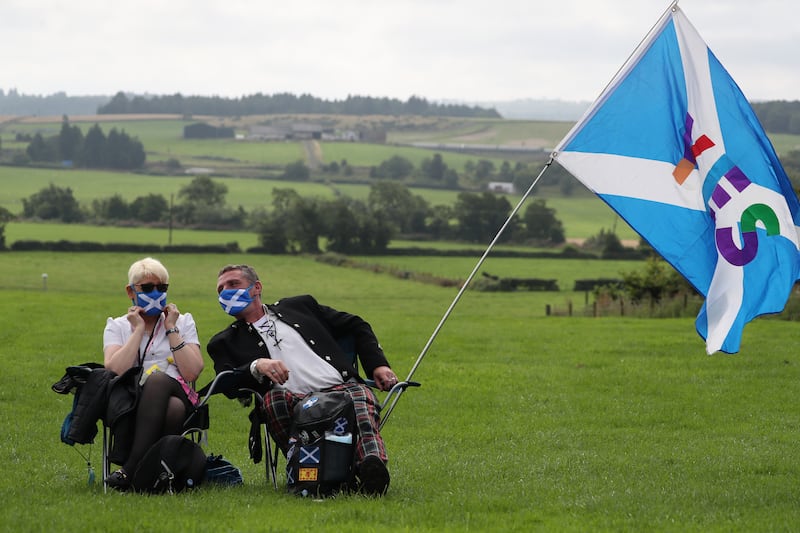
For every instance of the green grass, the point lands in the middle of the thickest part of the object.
(87, 185)
(785, 143)
(19, 183)
(489, 132)
(17, 231)
(372, 155)
(566, 271)
(225, 155)
(583, 215)
(523, 423)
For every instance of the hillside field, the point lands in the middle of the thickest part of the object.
(523, 422)
(582, 215)
(248, 169)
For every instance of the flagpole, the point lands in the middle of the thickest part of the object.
(435, 333)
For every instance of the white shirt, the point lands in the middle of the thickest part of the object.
(119, 330)
(308, 372)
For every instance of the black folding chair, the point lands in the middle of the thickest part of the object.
(259, 429)
(273, 455)
(195, 426)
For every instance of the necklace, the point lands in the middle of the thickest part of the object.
(269, 327)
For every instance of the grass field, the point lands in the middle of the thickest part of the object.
(165, 135)
(523, 423)
(16, 231)
(19, 183)
(565, 271)
(583, 215)
(163, 140)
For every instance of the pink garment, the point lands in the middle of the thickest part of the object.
(190, 392)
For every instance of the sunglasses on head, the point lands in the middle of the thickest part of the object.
(148, 287)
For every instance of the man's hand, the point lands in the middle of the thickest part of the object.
(272, 369)
(384, 378)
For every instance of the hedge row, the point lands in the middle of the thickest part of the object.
(568, 252)
(86, 246)
(590, 284)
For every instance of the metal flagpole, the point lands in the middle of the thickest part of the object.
(398, 390)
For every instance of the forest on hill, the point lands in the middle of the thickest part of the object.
(778, 116)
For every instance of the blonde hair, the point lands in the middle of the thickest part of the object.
(146, 267)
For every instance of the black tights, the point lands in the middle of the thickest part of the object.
(162, 410)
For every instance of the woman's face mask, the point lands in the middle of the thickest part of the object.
(234, 301)
(152, 302)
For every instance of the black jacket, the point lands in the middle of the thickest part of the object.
(331, 334)
(102, 395)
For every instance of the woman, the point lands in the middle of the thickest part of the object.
(157, 337)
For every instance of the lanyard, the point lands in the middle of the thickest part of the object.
(143, 354)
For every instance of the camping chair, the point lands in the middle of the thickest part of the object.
(259, 430)
(271, 464)
(195, 426)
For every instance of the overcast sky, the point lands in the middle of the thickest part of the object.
(462, 50)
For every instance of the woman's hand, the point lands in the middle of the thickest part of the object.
(135, 317)
(171, 315)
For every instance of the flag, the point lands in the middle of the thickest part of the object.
(673, 146)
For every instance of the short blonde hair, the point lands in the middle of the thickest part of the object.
(146, 267)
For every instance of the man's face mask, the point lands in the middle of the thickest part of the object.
(234, 301)
(153, 302)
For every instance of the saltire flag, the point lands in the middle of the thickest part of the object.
(309, 455)
(673, 146)
(235, 300)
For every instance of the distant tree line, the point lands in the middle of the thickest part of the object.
(207, 131)
(779, 116)
(117, 150)
(285, 103)
(12, 102)
(297, 224)
(476, 174)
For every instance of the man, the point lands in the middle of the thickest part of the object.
(290, 349)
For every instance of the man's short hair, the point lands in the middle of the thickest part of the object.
(248, 271)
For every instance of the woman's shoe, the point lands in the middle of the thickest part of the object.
(119, 480)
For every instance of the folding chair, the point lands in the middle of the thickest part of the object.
(271, 464)
(272, 454)
(195, 426)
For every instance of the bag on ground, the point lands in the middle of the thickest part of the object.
(322, 445)
(172, 464)
(222, 472)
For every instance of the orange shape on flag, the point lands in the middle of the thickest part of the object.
(682, 170)
(307, 474)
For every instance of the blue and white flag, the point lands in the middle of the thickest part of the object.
(673, 146)
(309, 455)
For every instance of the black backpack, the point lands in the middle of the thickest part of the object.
(322, 445)
(172, 464)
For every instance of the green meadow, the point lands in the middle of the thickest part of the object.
(523, 422)
(163, 140)
(16, 231)
(582, 215)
